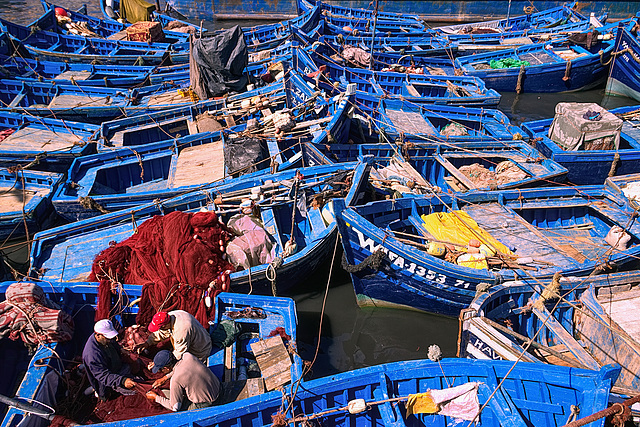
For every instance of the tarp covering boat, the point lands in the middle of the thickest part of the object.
(217, 63)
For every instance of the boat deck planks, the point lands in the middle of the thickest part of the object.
(35, 139)
(14, 200)
(172, 97)
(623, 311)
(410, 122)
(199, 165)
(74, 101)
(75, 75)
(513, 231)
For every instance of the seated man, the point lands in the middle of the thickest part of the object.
(102, 359)
(186, 333)
(192, 386)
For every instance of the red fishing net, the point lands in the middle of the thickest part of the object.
(176, 257)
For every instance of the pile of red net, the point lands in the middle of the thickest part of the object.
(175, 257)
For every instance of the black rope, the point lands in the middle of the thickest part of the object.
(373, 261)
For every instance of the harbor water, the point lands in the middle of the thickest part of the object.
(353, 337)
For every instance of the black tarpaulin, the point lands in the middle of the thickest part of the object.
(217, 63)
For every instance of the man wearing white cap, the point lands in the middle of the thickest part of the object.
(102, 359)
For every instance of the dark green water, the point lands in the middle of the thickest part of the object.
(352, 337)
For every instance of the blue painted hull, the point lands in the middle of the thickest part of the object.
(55, 248)
(25, 202)
(458, 11)
(412, 279)
(551, 76)
(589, 167)
(624, 77)
(535, 396)
(80, 300)
(43, 150)
(414, 88)
(482, 337)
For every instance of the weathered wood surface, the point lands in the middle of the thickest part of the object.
(609, 329)
(624, 309)
(75, 75)
(274, 361)
(513, 231)
(410, 122)
(198, 165)
(36, 139)
(74, 101)
(14, 200)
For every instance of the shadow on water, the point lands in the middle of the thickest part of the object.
(354, 337)
(525, 107)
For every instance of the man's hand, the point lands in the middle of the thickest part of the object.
(140, 347)
(151, 395)
(157, 383)
(129, 383)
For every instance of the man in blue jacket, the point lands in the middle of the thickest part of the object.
(102, 359)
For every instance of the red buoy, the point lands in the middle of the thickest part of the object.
(60, 11)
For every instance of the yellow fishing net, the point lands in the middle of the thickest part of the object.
(457, 228)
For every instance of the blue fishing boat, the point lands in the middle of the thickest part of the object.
(25, 201)
(426, 253)
(52, 46)
(539, 322)
(258, 38)
(209, 115)
(134, 175)
(626, 185)
(256, 317)
(593, 158)
(415, 88)
(409, 121)
(562, 66)
(90, 103)
(54, 253)
(493, 393)
(623, 77)
(43, 143)
(75, 22)
(167, 17)
(462, 11)
(458, 169)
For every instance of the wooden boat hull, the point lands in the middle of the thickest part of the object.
(407, 277)
(461, 11)
(552, 76)
(55, 249)
(589, 167)
(25, 201)
(51, 144)
(385, 384)
(485, 336)
(625, 69)
(81, 299)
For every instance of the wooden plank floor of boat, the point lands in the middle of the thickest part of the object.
(201, 164)
(36, 139)
(74, 101)
(622, 308)
(514, 232)
(410, 122)
(14, 200)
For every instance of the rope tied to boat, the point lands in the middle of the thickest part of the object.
(567, 72)
(90, 204)
(614, 165)
(373, 261)
(550, 292)
(520, 79)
